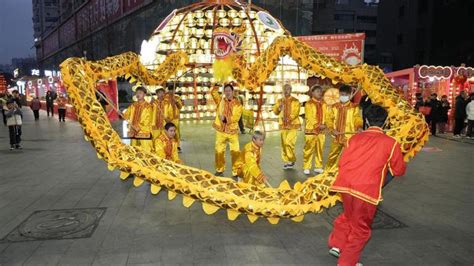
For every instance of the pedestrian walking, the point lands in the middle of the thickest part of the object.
(443, 114)
(35, 105)
(62, 108)
(470, 117)
(50, 97)
(459, 114)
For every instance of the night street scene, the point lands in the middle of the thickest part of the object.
(237, 132)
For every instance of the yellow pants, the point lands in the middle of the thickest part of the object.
(313, 147)
(288, 142)
(144, 144)
(221, 144)
(334, 153)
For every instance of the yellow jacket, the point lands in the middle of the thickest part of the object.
(172, 107)
(289, 115)
(345, 118)
(139, 116)
(314, 112)
(158, 117)
(167, 148)
(250, 158)
(232, 110)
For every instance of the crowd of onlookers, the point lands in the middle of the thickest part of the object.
(12, 116)
(436, 113)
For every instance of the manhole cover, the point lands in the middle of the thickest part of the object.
(57, 224)
(382, 220)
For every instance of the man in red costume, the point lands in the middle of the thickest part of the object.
(363, 168)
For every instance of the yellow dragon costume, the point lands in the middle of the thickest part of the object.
(311, 196)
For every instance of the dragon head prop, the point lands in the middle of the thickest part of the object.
(227, 41)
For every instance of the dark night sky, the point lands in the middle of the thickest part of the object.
(16, 29)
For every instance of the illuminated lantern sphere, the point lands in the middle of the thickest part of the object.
(189, 26)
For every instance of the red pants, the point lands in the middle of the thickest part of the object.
(352, 229)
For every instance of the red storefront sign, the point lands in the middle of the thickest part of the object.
(3, 84)
(348, 48)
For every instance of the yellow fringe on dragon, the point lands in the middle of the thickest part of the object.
(215, 193)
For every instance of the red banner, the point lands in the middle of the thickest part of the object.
(348, 48)
(109, 90)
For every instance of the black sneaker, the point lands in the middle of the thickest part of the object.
(219, 174)
(179, 150)
(18, 147)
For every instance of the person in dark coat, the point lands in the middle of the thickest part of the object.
(459, 114)
(50, 97)
(435, 114)
(419, 100)
(364, 103)
(443, 114)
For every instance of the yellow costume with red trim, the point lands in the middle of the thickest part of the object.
(250, 159)
(139, 116)
(315, 110)
(158, 118)
(289, 123)
(172, 111)
(226, 132)
(346, 119)
(166, 148)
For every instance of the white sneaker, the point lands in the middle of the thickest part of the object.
(306, 171)
(318, 170)
(359, 264)
(285, 166)
(335, 252)
(456, 136)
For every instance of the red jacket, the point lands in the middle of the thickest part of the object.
(364, 164)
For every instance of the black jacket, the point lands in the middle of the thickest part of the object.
(435, 109)
(445, 106)
(460, 108)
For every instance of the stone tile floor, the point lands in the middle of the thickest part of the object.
(57, 169)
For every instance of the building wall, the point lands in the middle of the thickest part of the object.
(425, 32)
(45, 16)
(127, 33)
(347, 16)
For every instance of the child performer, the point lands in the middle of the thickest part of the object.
(172, 111)
(344, 120)
(158, 117)
(288, 110)
(362, 173)
(315, 110)
(165, 145)
(250, 159)
(139, 117)
(228, 113)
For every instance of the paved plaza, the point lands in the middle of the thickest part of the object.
(426, 218)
